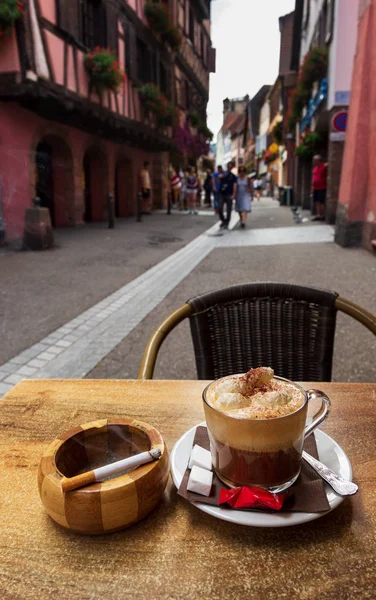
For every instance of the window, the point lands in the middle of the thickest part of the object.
(164, 80)
(143, 62)
(93, 23)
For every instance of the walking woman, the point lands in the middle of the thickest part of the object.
(243, 196)
(192, 189)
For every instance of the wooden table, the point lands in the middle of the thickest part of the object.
(178, 552)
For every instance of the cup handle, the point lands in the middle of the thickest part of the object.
(321, 414)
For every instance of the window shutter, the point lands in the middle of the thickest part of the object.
(67, 16)
(112, 28)
(211, 59)
(130, 51)
(101, 25)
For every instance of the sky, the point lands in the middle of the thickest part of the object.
(246, 36)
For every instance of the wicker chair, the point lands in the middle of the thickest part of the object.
(288, 327)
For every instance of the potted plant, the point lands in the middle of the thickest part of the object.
(205, 131)
(154, 102)
(313, 69)
(173, 37)
(157, 16)
(104, 70)
(309, 144)
(10, 12)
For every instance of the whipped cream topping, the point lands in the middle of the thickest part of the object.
(255, 395)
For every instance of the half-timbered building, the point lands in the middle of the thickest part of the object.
(63, 141)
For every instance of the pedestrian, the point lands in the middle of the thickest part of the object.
(208, 187)
(146, 189)
(243, 196)
(175, 182)
(192, 190)
(227, 195)
(319, 178)
(217, 186)
(183, 190)
(256, 187)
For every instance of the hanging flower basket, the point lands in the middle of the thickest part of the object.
(174, 38)
(205, 131)
(278, 133)
(309, 145)
(156, 103)
(157, 16)
(104, 70)
(193, 118)
(313, 69)
(10, 12)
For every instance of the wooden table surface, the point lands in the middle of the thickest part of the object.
(177, 552)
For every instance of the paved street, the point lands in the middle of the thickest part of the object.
(96, 324)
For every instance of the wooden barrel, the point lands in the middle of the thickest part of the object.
(113, 504)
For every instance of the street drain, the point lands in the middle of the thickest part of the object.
(155, 240)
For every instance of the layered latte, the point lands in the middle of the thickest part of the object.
(256, 423)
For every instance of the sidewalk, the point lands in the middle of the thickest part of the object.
(41, 291)
(96, 321)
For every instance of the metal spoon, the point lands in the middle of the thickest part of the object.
(340, 486)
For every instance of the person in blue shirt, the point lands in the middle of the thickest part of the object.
(227, 194)
(217, 186)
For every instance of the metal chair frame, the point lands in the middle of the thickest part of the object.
(150, 355)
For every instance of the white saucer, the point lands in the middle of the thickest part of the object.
(330, 453)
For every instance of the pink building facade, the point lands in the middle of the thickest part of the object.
(356, 214)
(63, 142)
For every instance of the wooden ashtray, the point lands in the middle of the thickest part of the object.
(109, 505)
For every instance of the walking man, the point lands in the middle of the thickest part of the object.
(319, 177)
(146, 189)
(227, 195)
(217, 186)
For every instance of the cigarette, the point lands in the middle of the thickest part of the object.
(121, 466)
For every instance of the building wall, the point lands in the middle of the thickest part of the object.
(342, 51)
(20, 133)
(356, 214)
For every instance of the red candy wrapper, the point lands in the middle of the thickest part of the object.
(251, 497)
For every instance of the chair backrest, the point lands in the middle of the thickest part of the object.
(287, 327)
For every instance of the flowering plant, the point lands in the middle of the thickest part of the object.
(309, 143)
(10, 11)
(270, 154)
(157, 16)
(155, 102)
(188, 143)
(204, 129)
(313, 69)
(104, 70)
(174, 38)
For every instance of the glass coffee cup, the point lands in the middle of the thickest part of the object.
(262, 452)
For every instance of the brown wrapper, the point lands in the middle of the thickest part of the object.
(306, 495)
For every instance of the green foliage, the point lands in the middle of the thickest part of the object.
(174, 38)
(10, 11)
(104, 70)
(193, 118)
(309, 145)
(278, 133)
(155, 102)
(204, 129)
(313, 69)
(157, 16)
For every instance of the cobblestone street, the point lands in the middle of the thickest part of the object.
(95, 323)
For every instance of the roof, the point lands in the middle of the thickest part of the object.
(234, 123)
